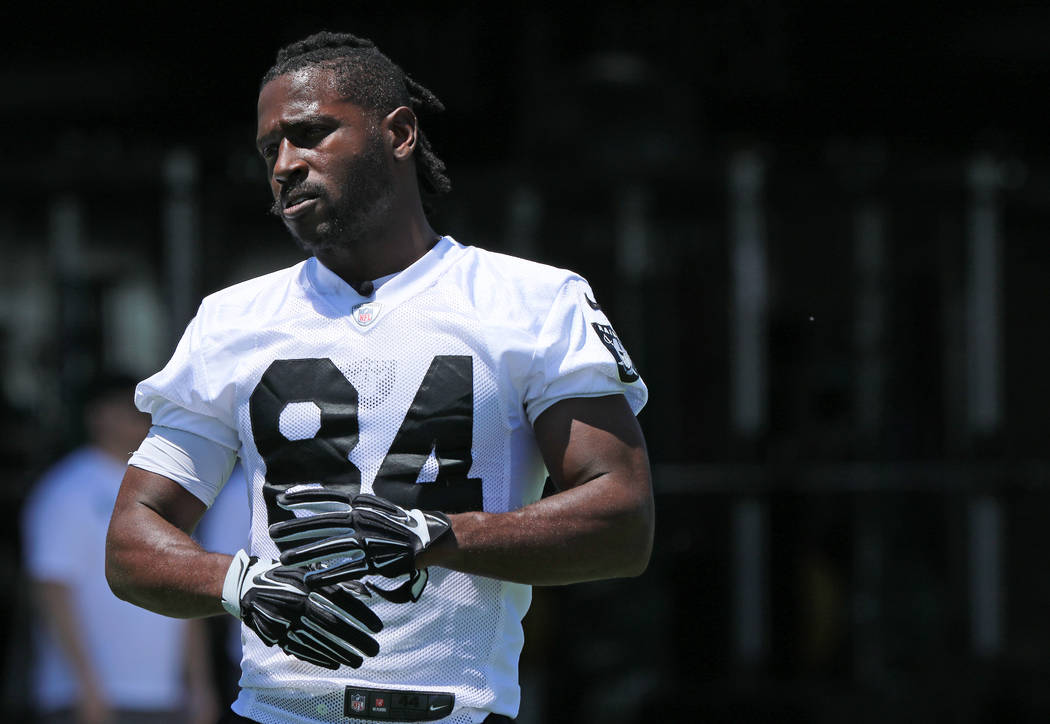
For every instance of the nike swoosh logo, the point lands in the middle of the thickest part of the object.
(592, 304)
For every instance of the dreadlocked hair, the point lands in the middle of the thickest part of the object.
(371, 80)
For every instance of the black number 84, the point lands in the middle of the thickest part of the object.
(439, 420)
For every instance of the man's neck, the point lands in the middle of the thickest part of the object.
(382, 253)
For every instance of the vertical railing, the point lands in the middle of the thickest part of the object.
(748, 405)
(181, 237)
(869, 259)
(983, 403)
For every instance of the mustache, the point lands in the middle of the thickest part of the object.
(302, 189)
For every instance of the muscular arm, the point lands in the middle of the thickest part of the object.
(151, 560)
(599, 526)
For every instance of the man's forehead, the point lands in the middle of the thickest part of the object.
(309, 86)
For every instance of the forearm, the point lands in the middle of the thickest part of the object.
(154, 563)
(599, 526)
(166, 572)
(601, 529)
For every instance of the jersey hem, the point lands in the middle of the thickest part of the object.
(249, 705)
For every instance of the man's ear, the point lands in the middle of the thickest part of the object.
(401, 130)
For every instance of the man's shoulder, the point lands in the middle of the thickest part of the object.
(509, 292)
(250, 299)
(254, 288)
(515, 278)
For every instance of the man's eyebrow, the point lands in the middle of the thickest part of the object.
(264, 139)
(294, 124)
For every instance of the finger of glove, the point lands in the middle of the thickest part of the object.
(348, 548)
(320, 645)
(381, 506)
(270, 614)
(287, 600)
(340, 573)
(345, 601)
(281, 602)
(379, 526)
(340, 629)
(315, 500)
(310, 654)
(312, 527)
(285, 581)
(387, 561)
(270, 627)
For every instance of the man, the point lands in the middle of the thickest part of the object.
(394, 400)
(98, 659)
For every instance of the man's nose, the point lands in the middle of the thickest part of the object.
(289, 164)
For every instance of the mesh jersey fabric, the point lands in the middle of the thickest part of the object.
(423, 393)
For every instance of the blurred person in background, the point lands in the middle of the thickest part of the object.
(97, 659)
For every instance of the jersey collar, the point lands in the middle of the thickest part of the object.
(389, 290)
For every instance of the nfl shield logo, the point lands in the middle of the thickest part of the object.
(357, 702)
(365, 314)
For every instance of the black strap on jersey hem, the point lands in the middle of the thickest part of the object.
(231, 717)
(396, 705)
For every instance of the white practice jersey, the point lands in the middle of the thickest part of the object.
(424, 393)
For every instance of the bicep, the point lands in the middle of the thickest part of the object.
(151, 560)
(142, 492)
(585, 438)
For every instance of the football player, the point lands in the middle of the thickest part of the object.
(397, 401)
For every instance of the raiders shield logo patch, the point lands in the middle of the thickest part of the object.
(365, 314)
(623, 360)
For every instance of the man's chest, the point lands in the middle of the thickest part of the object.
(382, 412)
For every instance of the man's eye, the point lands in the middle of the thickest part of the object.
(313, 134)
(269, 151)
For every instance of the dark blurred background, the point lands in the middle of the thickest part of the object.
(821, 232)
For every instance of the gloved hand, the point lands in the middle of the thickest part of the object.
(358, 536)
(325, 625)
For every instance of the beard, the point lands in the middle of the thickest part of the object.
(368, 192)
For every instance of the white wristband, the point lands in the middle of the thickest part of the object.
(231, 587)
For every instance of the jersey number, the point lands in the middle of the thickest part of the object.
(440, 421)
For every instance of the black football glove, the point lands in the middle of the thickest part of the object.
(328, 626)
(357, 536)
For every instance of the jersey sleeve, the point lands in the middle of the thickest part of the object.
(200, 465)
(578, 354)
(194, 392)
